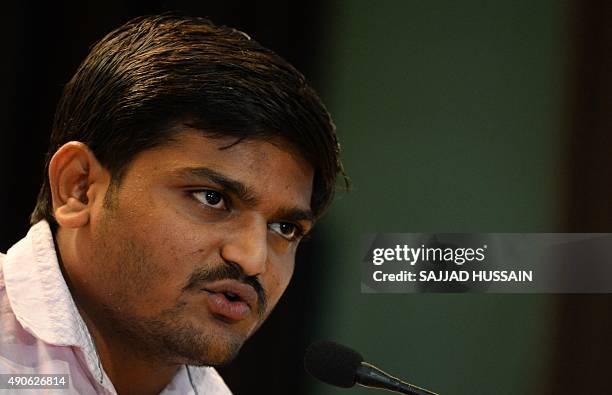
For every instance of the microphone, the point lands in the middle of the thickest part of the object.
(341, 366)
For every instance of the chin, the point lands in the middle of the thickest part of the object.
(217, 354)
(213, 360)
(205, 347)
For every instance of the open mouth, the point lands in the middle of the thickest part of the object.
(231, 300)
(233, 291)
(232, 297)
(227, 306)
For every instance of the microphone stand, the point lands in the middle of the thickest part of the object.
(370, 376)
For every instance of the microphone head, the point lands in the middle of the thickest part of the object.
(332, 363)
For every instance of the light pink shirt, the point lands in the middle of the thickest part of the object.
(42, 332)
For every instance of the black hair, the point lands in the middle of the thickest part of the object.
(155, 72)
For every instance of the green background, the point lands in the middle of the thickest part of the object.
(450, 119)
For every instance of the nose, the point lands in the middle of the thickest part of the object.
(247, 246)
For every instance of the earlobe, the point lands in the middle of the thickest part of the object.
(73, 171)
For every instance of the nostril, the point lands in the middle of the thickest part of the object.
(249, 253)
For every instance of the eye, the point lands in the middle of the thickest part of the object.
(210, 198)
(287, 230)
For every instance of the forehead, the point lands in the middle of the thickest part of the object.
(269, 168)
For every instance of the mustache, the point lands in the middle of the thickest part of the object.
(227, 271)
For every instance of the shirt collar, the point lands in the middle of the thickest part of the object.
(40, 298)
(38, 292)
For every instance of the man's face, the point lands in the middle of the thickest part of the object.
(194, 248)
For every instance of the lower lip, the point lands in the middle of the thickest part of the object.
(220, 305)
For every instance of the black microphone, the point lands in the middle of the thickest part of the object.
(341, 366)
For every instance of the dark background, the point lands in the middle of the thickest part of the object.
(44, 43)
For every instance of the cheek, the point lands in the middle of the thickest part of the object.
(148, 259)
(172, 239)
(278, 280)
(173, 253)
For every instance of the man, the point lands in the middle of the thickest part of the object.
(186, 163)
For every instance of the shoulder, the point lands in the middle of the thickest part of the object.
(1, 272)
(3, 297)
(10, 345)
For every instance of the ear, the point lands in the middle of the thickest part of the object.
(74, 173)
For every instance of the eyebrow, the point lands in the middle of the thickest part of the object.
(295, 214)
(246, 194)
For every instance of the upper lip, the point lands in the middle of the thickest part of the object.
(244, 291)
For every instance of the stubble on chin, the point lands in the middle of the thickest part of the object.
(173, 339)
